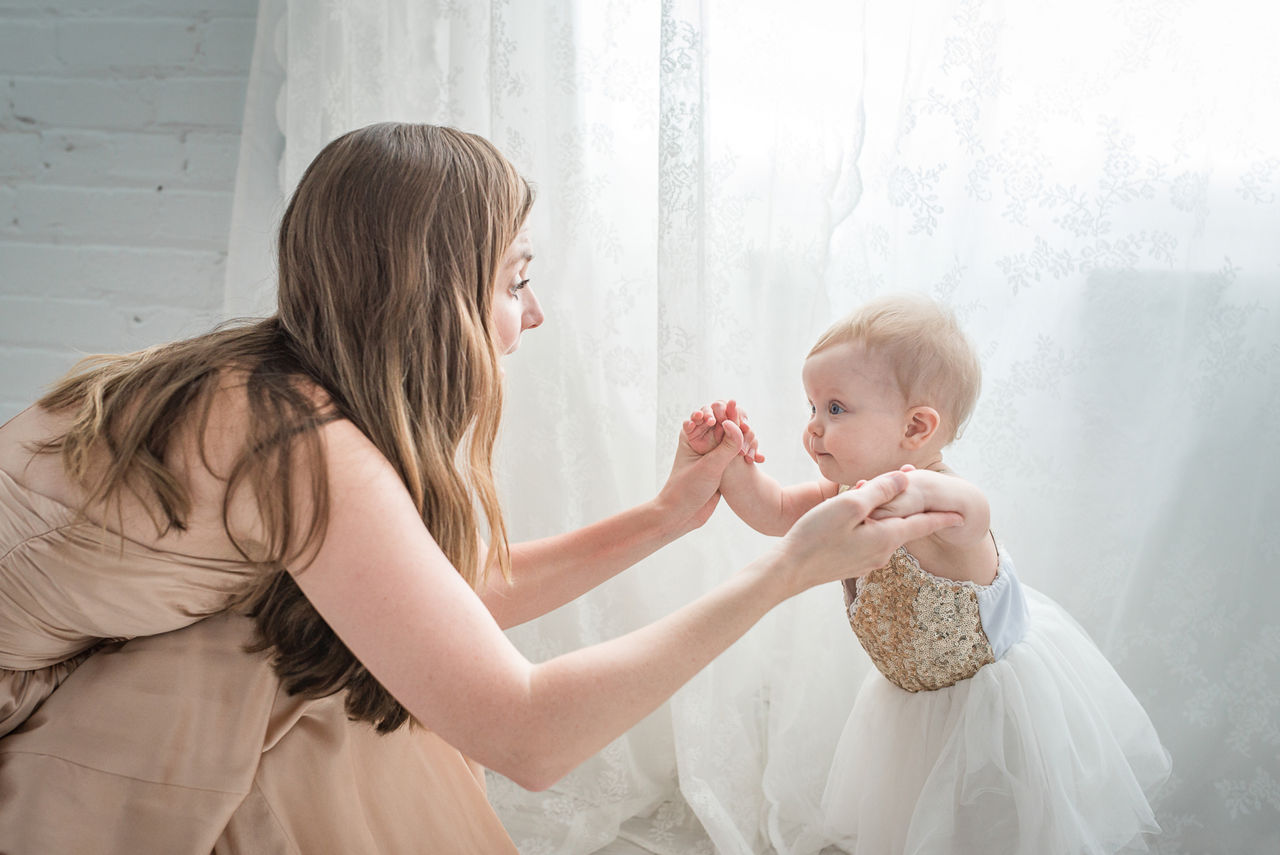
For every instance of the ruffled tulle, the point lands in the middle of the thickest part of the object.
(1045, 751)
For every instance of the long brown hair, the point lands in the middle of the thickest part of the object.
(388, 253)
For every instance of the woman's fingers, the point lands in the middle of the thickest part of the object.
(902, 530)
(733, 435)
(874, 493)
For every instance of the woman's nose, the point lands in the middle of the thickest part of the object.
(532, 312)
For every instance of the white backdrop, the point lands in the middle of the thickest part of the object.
(1094, 187)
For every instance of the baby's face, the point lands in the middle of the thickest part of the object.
(858, 418)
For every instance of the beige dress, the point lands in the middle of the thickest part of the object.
(178, 741)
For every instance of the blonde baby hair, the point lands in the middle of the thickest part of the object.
(933, 361)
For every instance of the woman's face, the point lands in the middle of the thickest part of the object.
(515, 308)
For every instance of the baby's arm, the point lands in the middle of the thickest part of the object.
(942, 491)
(759, 500)
(763, 503)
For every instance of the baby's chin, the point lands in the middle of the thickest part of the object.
(834, 472)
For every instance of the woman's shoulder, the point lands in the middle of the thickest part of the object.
(320, 445)
(241, 416)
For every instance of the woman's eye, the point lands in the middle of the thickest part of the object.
(519, 286)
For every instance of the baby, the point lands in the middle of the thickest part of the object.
(992, 722)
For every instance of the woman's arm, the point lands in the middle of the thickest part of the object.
(390, 594)
(552, 571)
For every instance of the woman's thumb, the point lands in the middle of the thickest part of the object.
(731, 443)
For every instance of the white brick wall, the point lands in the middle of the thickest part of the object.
(119, 132)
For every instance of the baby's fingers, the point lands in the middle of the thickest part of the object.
(696, 423)
(750, 443)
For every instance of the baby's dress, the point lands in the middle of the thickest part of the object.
(992, 725)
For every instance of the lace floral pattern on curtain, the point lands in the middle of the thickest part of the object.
(1093, 187)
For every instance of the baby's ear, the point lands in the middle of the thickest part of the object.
(922, 426)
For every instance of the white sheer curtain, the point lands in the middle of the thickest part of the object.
(1094, 187)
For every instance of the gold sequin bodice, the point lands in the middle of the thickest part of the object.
(922, 632)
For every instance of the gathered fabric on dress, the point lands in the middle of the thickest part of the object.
(132, 719)
(992, 724)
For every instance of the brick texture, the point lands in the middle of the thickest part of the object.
(119, 133)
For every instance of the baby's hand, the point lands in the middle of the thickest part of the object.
(701, 432)
(704, 429)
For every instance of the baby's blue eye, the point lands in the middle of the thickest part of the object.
(812, 409)
(834, 409)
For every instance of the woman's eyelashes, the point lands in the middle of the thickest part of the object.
(519, 286)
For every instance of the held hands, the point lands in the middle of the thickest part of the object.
(705, 429)
(910, 501)
(841, 538)
(708, 444)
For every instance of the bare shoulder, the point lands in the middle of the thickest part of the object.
(346, 459)
(218, 440)
(351, 457)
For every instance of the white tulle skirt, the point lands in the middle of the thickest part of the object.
(1045, 752)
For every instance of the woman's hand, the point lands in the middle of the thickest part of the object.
(692, 490)
(704, 429)
(839, 539)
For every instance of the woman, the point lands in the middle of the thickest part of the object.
(296, 487)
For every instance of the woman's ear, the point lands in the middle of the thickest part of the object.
(922, 426)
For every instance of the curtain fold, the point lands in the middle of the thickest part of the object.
(1094, 188)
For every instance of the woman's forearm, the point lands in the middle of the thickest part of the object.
(609, 687)
(550, 572)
